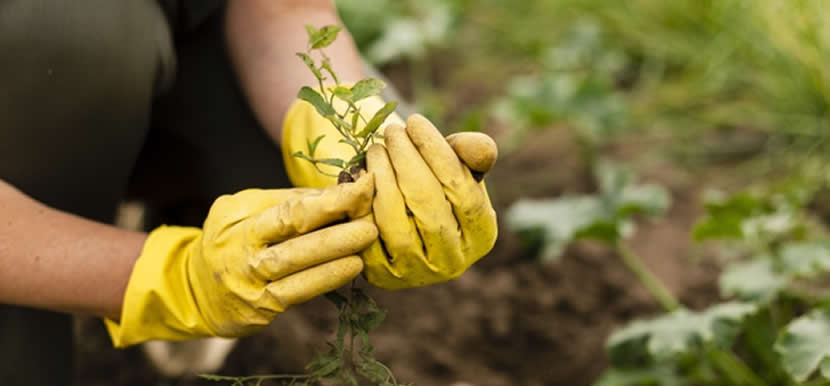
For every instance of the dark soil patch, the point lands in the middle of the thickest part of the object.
(508, 321)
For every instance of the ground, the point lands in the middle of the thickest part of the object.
(510, 320)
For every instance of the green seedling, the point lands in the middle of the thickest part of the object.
(350, 356)
(354, 129)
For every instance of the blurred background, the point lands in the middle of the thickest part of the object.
(691, 98)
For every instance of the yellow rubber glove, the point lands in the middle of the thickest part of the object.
(434, 219)
(260, 251)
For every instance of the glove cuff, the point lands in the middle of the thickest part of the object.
(158, 303)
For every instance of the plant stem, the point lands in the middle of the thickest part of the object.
(733, 368)
(646, 277)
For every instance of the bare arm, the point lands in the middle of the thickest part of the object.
(61, 262)
(263, 37)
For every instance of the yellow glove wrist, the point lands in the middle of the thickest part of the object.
(150, 309)
(259, 252)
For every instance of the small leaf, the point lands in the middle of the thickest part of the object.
(331, 161)
(324, 364)
(309, 95)
(806, 259)
(312, 31)
(372, 320)
(376, 120)
(324, 36)
(326, 64)
(649, 199)
(680, 331)
(343, 93)
(356, 159)
(300, 154)
(561, 220)
(752, 280)
(804, 345)
(366, 88)
(312, 146)
(373, 370)
(309, 62)
(725, 217)
(611, 177)
(349, 141)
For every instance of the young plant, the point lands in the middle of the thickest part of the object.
(606, 216)
(350, 356)
(354, 129)
(774, 328)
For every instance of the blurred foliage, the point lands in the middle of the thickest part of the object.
(605, 215)
(679, 71)
(740, 83)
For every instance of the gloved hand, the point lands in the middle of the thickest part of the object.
(259, 252)
(434, 218)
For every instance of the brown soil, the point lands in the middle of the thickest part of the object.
(508, 321)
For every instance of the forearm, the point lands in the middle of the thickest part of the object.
(57, 261)
(263, 37)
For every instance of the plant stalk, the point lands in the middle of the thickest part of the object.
(733, 368)
(653, 284)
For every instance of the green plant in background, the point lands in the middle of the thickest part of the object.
(577, 89)
(773, 331)
(774, 325)
(388, 30)
(350, 356)
(606, 216)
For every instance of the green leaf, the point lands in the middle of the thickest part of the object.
(331, 161)
(356, 159)
(372, 320)
(300, 154)
(348, 377)
(605, 216)
(611, 177)
(376, 120)
(309, 95)
(309, 62)
(561, 219)
(326, 64)
(678, 332)
(649, 199)
(343, 93)
(755, 279)
(724, 218)
(324, 365)
(324, 36)
(366, 88)
(804, 346)
(372, 370)
(617, 189)
(312, 146)
(350, 142)
(805, 259)
(312, 31)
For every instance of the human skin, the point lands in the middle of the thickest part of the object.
(62, 262)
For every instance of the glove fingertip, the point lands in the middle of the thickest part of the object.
(477, 150)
